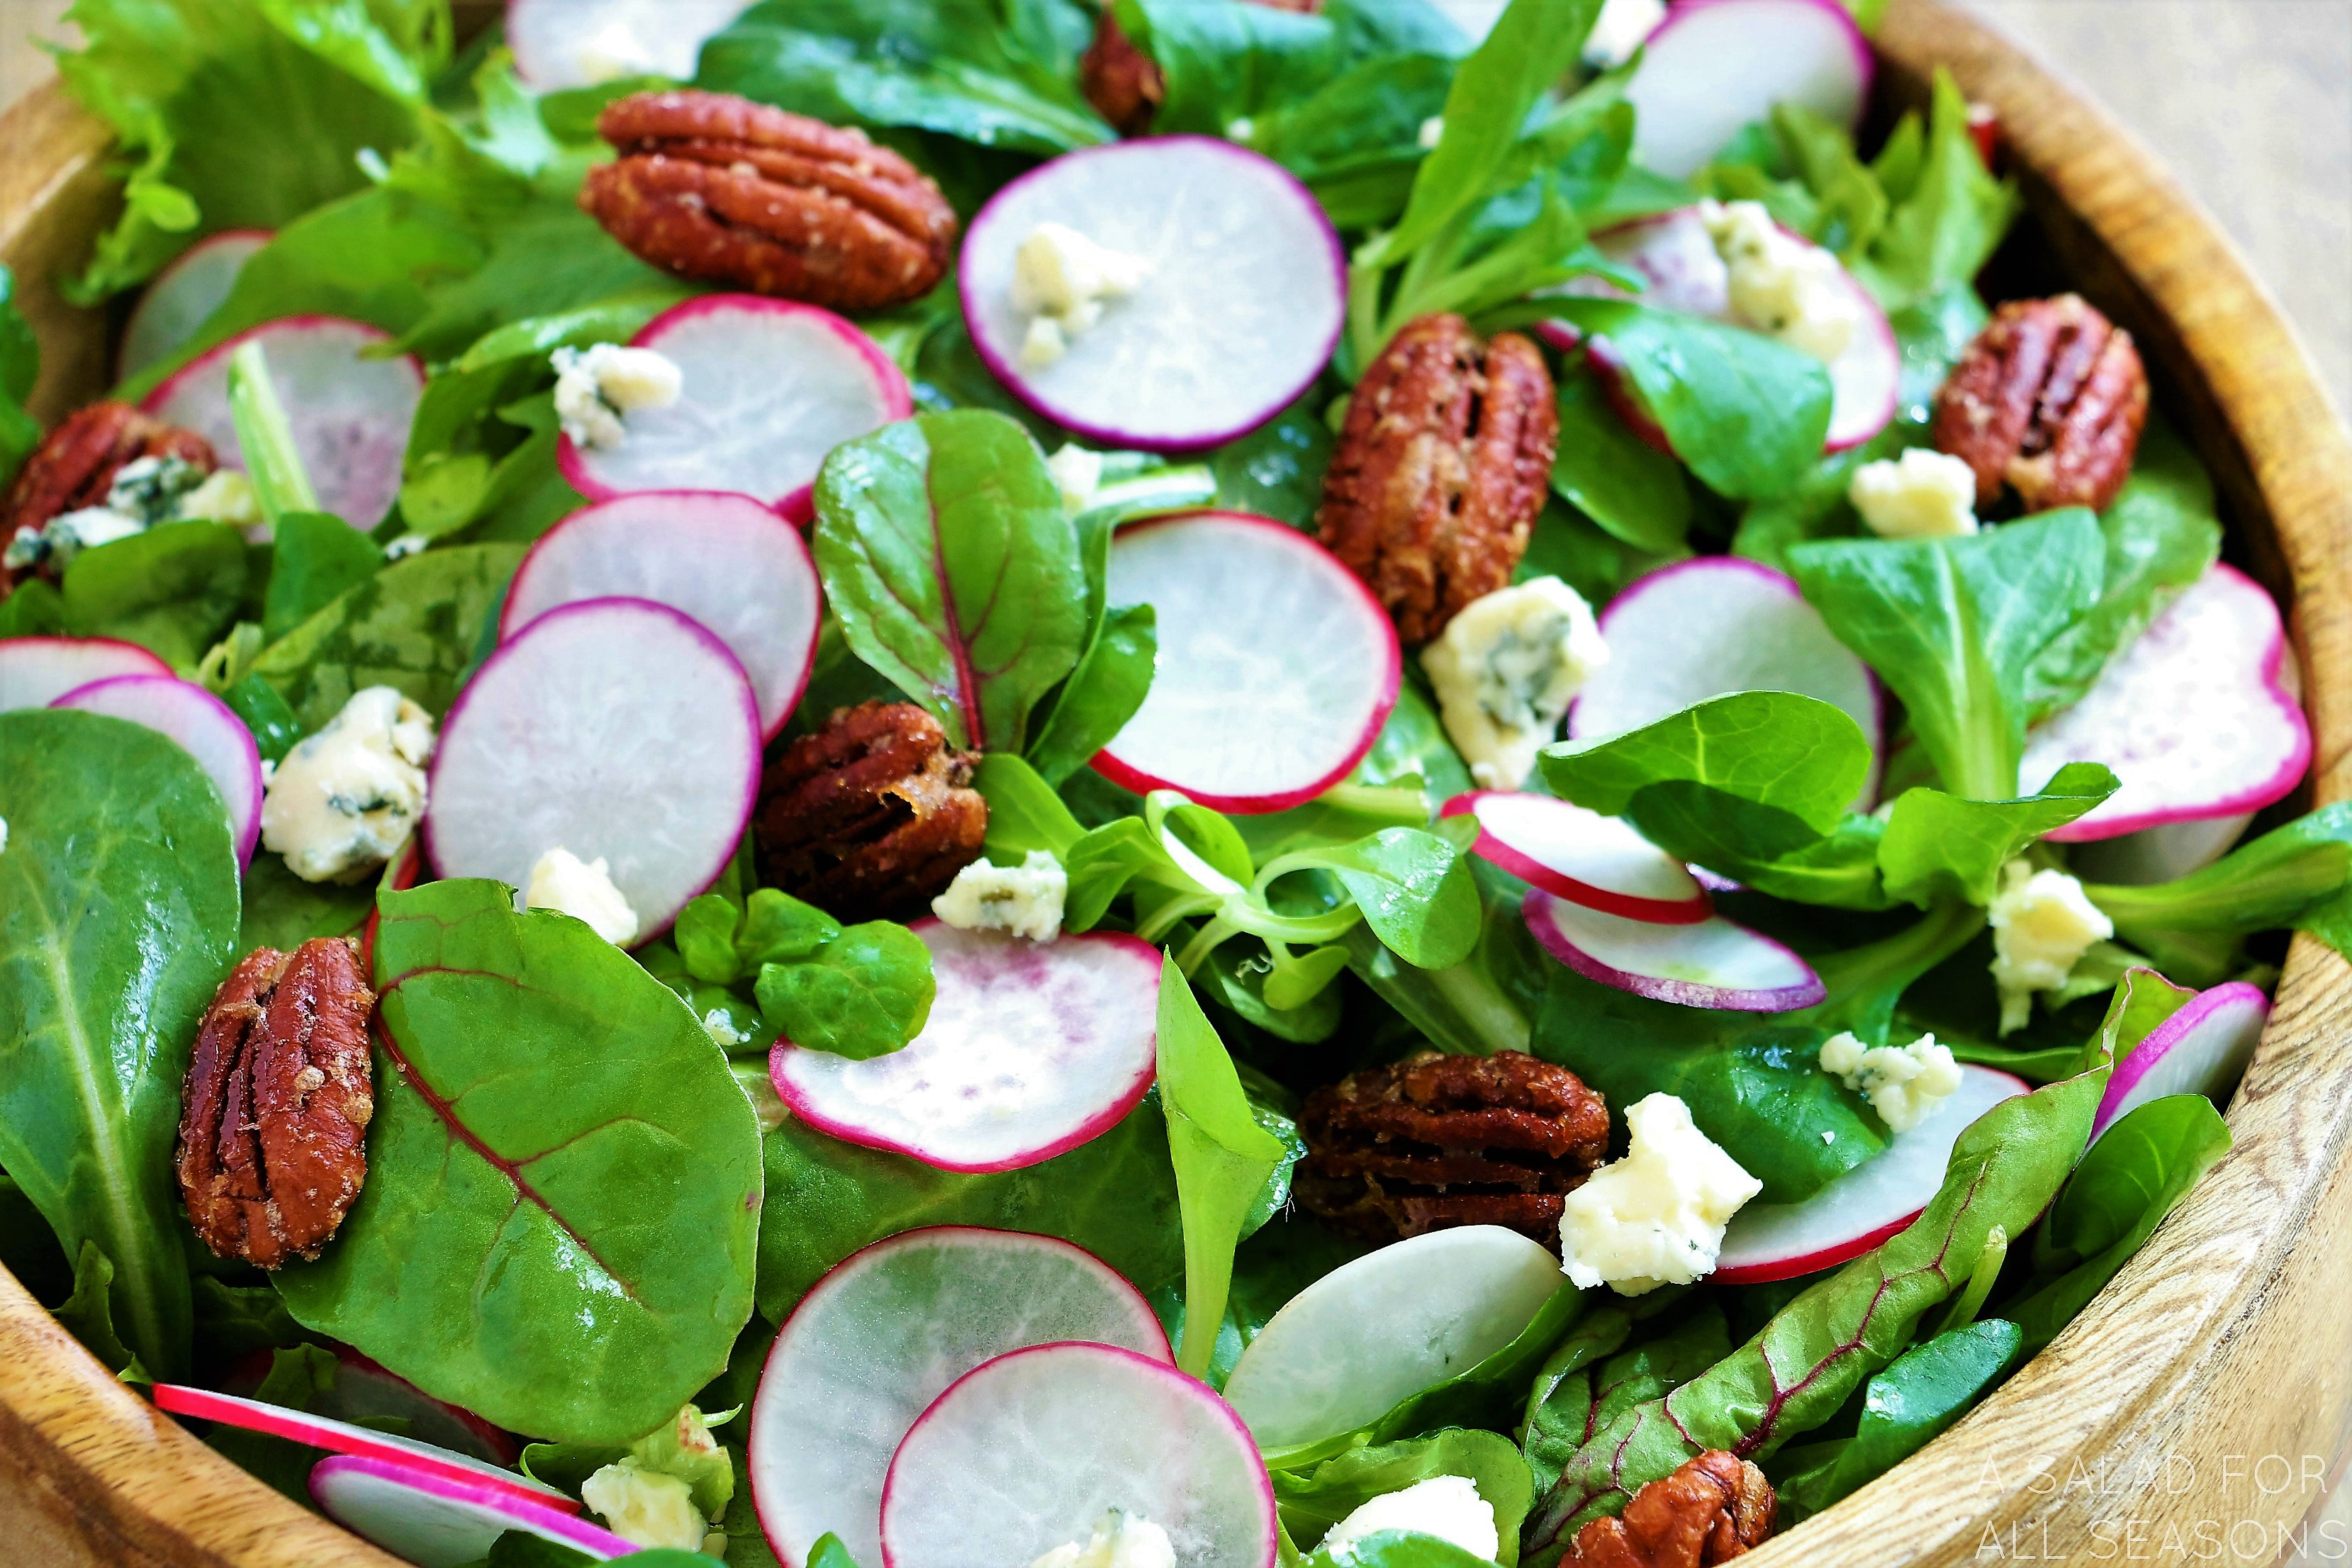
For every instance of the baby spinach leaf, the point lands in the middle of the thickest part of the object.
(118, 917)
(1312, 1501)
(1277, 470)
(863, 993)
(173, 590)
(1104, 691)
(1355, 140)
(412, 625)
(282, 911)
(1939, 846)
(1612, 475)
(1225, 60)
(318, 557)
(558, 1227)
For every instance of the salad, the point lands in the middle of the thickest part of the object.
(993, 783)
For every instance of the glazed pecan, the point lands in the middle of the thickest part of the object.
(1442, 464)
(75, 467)
(868, 818)
(1710, 1511)
(713, 187)
(1126, 85)
(274, 1114)
(1438, 1141)
(2050, 400)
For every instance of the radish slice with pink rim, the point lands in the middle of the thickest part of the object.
(618, 729)
(439, 1521)
(769, 387)
(1708, 963)
(1028, 1452)
(36, 671)
(1243, 302)
(180, 298)
(203, 726)
(350, 414)
(1867, 1205)
(2203, 1049)
(561, 44)
(1031, 1048)
(2194, 718)
(1276, 667)
(723, 560)
(366, 1390)
(1715, 66)
(882, 1335)
(1581, 855)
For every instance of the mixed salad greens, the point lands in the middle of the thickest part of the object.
(1908, 892)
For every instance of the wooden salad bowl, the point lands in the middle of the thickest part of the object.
(2206, 1395)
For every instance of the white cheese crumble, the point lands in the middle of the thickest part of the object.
(2042, 923)
(645, 1506)
(1077, 474)
(1120, 1540)
(596, 388)
(1903, 1084)
(1447, 1507)
(1656, 1217)
(583, 890)
(1780, 285)
(1023, 900)
(1923, 494)
(1432, 131)
(405, 546)
(347, 798)
(1623, 26)
(1505, 670)
(1060, 279)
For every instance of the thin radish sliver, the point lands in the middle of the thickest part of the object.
(342, 1437)
(1239, 313)
(2201, 1049)
(2194, 718)
(1276, 665)
(350, 414)
(768, 388)
(184, 294)
(36, 671)
(561, 43)
(724, 559)
(1708, 963)
(1865, 1205)
(1581, 855)
(203, 725)
(1031, 1450)
(618, 729)
(1031, 1048)
(438, 1522)
(884, 1334)
(1715, 66)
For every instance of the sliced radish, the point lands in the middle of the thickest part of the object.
(205, 727)
(1715, 66)
(2201, 1049)
(1714, 626)
(181, 296)
(561, 43)
(618, 729)
(363, 1390)
(1238, 316)
(1868, 1204)
(1582, 856)
(1708, 963)
(1276, 667)
(770, 387)
(2195, 718)
(439, 1521)
(1031, 1048)
(342, 1437)
(724, 559)
(1029, 1451)
(884, 1334)
(349, 414)
(36, 671)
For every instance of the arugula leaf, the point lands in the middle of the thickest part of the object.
(1945, 222)
(863, 993)
(1612, 475)
(412, 626)
(1939, 846)
(1312, 1501)
(318, 557)
(173, 590)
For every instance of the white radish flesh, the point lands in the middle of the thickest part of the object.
(342, 1437)
(436, 1521)
(2203, 1049)
(561, 44)
(1581, 855)
(36, 671)
(203, 725)
(1709, 964)
(1715, 66)
(184, 294)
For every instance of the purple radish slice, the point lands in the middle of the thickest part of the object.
(1581, 855)
(616, 729)
(1240, 312)
(349, 414)
(1276, 667)
(2195, 718)
(722, 559)
(1715, 66)
(1031, 1048)
(342, 1437)
(1708, 963)
(1028, 1452)
(36, 671)
(1867, 1205)
(180, 298)
(205, 727)
(2201, 1049)
(561, 44)
(770, 387)
(437, 1520)
(882, 1335)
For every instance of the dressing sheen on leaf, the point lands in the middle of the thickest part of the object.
(562, 1198)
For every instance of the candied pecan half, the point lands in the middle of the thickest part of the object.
(1442, 467)
(75, 467)
(869, 817)
(1438, 1141)
(1710, 1511)
(274, 1114)
(714, 186)
(1126, 85)
(2049, 399)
